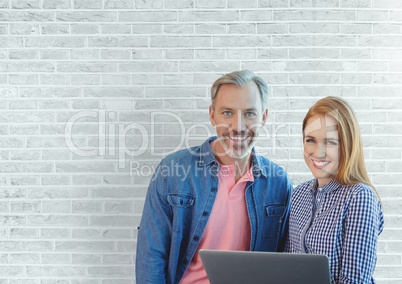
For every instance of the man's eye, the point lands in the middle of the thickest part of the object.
(227, 113)
(250, 114)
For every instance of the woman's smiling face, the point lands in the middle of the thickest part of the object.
(322, 147)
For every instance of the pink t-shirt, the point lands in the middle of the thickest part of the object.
(228, 226)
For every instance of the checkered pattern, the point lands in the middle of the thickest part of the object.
(342, 222)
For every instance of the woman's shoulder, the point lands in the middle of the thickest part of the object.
(359, 189)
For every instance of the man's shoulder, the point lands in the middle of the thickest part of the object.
(183, 155)
(268, 166)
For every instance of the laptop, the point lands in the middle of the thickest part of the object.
(251, 267)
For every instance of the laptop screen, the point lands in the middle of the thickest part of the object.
(250, 267)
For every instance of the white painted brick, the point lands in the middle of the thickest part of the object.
(117, 259)
(356, 79)
(22, 104)
(118, 4)
(308, 27)
(87, 4)
(209, 16)
(173, 4)
(85, 79)
(4, 207)
(314, 3)
(247, 28)
(55, 29)
(21, 54)
(118, 281)
(148, 16)
(59, 79)
(86, 179)
(84, 246)
(11, 42)
(87, 207)
(84, 29)
(4, 4)
(366, 66)
(119, 207)
(125, 246)
(115, 29)
(178, 29)
(90, 259)
(58, 271)
(84, 54)
(56, 220)
(372, 15)
(244, 54)
(357, 28)
(355, 3)
(43, 42)
(3, 54)
(12, 271)
(210, 28)
(146, 28)
(23, 79)
(55, 154)
(55, 233)
(86, 16)
(179, 54)
(111, 271)
(117, 234)
(314, 40)
(326, 15)
(56, 4)
(147, 53)
(204, 4)
(25, 4)
(86, 234)
(55, 258)
(24, 258)
(24, 180)
(314, 53)
(56, 207)
(54, 54)
(31, 246)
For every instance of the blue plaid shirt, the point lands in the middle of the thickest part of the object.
(340, 221)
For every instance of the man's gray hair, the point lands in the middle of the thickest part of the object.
(241, 78)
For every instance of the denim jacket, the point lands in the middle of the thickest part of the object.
(179, 199)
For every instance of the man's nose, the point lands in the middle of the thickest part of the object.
(238, 123)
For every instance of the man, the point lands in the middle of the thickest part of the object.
(219, 195)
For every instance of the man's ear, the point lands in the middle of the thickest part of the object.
(264, 116)
(212, 115)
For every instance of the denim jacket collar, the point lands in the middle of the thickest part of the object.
(207, 157)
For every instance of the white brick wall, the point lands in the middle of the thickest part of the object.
(94, 92)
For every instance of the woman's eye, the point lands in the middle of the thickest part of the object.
(309, 140)
(334, 143)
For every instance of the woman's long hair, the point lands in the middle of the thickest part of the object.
(352, 169)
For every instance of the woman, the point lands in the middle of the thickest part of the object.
(338, 213)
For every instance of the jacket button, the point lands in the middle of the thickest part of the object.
(205, 213)
(184, 261)
(213, 189)
(196, 238)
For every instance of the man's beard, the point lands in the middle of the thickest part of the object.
(237, 153)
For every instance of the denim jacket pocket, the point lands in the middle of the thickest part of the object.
(181, 200)
(274, 218)
(181, 206)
